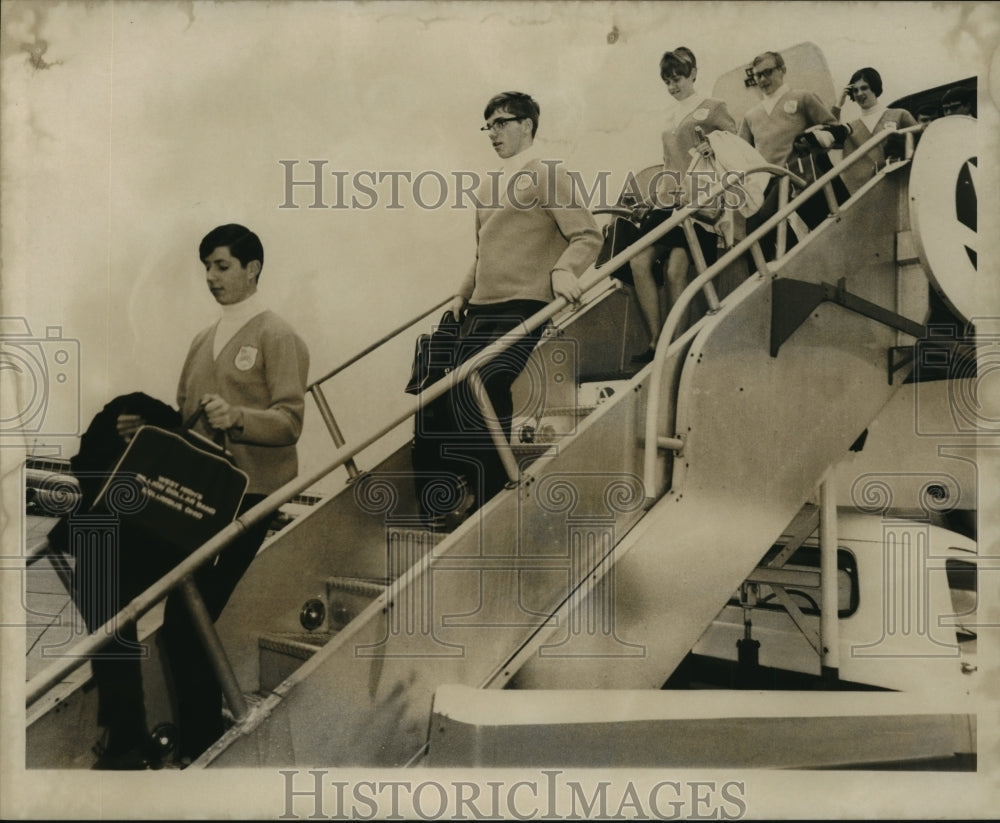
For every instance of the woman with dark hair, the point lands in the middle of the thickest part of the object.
(865, 88)
(693, 117)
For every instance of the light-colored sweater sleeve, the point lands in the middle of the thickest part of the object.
(816, 113)
(575, 223)
(468, 284)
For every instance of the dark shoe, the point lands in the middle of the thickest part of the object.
(161, 746)
(134, 759)
(644, 357)
(453, 519)
(149, 752)
(447, 520)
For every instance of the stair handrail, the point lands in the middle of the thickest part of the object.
(81, 652)
(319, 397)
(385, 338)
(666, 347)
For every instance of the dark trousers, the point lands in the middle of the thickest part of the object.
(114, 564)
(197, 690)
(451, 437)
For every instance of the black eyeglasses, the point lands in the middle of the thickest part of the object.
(499, 123)
(760, 75)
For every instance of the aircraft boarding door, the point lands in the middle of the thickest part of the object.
(806, 68)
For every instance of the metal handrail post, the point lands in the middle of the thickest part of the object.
(829, 619)
(331, 424)
(489, 416)
(700, 264)
(831, 199)
(784, 194)
(209, 637)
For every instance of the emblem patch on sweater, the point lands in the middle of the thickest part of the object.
(791, 106)
(245, 358)
(522, 181)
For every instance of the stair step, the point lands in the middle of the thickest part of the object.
(281, 653)
(418, 534)
(580, 410)
(295, 644)
(355, 585)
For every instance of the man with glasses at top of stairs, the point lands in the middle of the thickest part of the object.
(772, 126)
(533, 243)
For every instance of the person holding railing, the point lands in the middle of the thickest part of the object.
(865, 88)
(772, 126)
(693, 117)
(243, 383)
(533, 241)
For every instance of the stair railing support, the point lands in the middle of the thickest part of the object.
(495, 429)
(209, 637)
(331, 425)
(829, 620)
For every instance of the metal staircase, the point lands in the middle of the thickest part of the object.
(630, 523)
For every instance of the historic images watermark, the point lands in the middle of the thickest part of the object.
(968, 357)
(367, 189)
(547, 794)
(40, 379)
(98, 534)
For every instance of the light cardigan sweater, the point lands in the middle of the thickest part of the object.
(862, 130)
(263, 370)
(791, 113)
(533, 228)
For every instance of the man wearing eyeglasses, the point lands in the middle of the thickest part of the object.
(784, 113)
(533, 243)
(771, 127)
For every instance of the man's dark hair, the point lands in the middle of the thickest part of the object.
(871, 77)
(242, 243)
(519, 105)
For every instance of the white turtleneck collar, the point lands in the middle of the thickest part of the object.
(234, 317)
(492, 190)
(521, 159)
(683, 108)
(871, 117)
